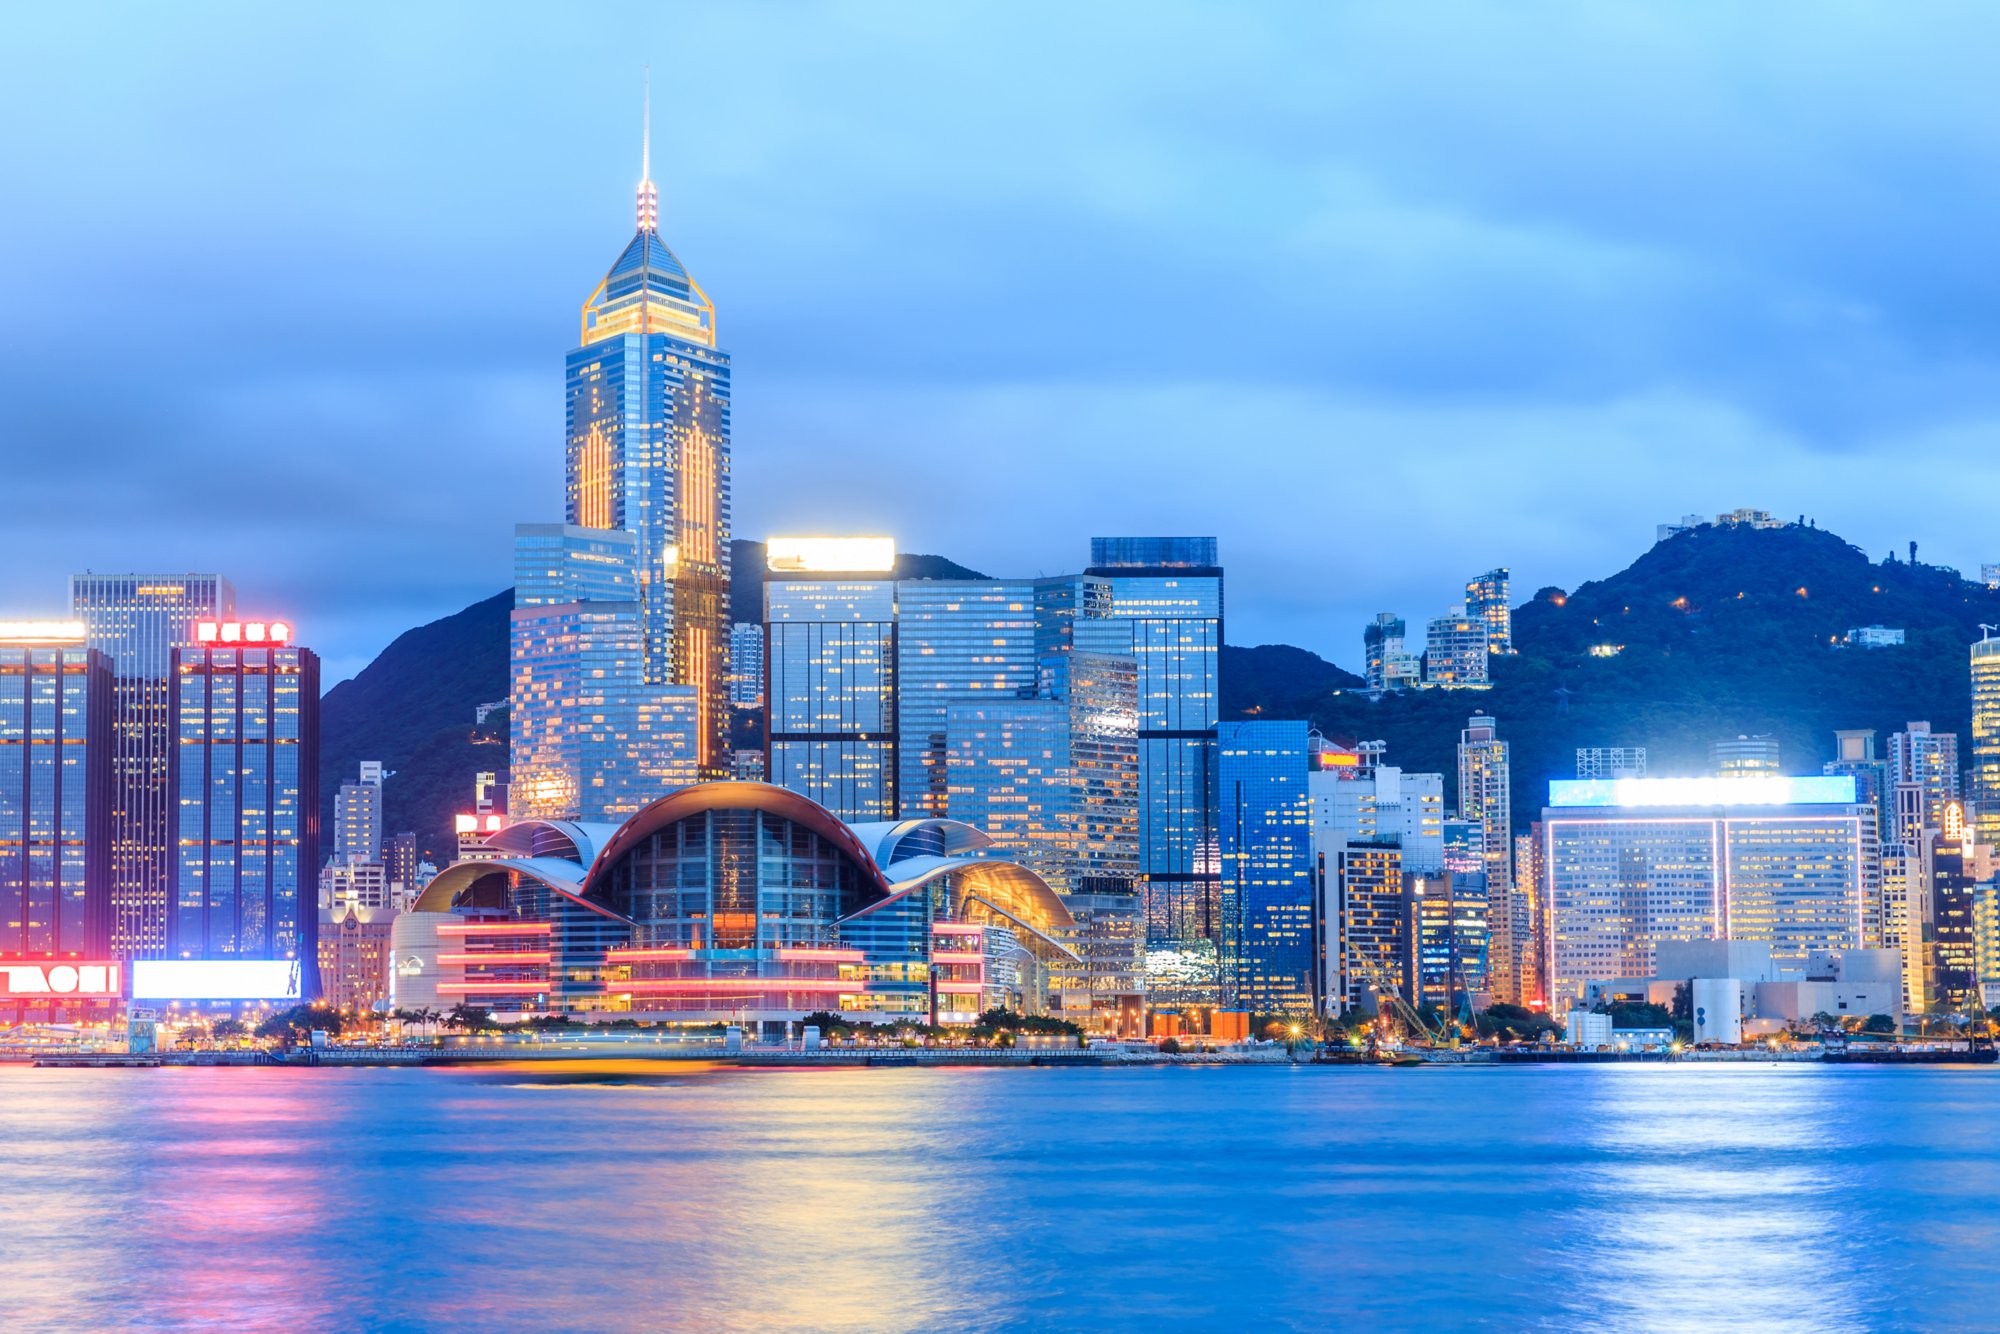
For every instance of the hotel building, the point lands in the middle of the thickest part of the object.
(244, 771)
(57, 736)
(1634, 862)
(137, 621)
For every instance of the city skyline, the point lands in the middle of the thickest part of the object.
(1369, 249)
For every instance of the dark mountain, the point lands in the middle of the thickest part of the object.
(1257, 681)
(412, 708)
(746, 573)
(1718, 631)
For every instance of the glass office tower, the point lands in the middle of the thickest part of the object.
(830, 678)
(590, 737)
(1270, 931)
(1168, 593)
(56, 762)
(137, 621)
(244, 770)
(647, 431)
(1055, 780)
(957, 640)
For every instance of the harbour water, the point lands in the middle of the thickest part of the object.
(617, 1198)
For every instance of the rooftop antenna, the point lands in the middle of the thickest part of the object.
(1986, 631)
(649, 198)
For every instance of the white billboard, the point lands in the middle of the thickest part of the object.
(216, 979)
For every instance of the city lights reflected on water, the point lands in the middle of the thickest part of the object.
(617, 1197)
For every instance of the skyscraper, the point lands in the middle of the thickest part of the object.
(137, 621)
(1923, 773)
(591, 738)
(1270, 929)
(1055, 779)
(647, 429)
(830, 673)
(1986, 740)
(1486, 602)
(1484, 797)
(244, 770)
(56, 751)
(956, 640)
(1168, 593)
(357, 816)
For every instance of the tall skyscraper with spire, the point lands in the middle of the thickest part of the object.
(648, 452)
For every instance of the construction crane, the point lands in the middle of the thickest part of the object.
(1444, 1034)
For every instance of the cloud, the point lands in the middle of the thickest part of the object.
(1380, 295)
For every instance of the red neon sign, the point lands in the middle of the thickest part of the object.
(242, 632)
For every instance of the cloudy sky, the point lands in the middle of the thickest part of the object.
(1380, 295)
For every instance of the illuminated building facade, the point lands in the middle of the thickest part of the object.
(137, 621)
(1456, 650)
(1986, 740)
(1923, 776)
(357, 816)
(1954, 956)
(1270, 926)
(590, 737)
(1365, 921)
(1486, 602)
(957, 639)
(1167, 592)
(746, 665)
(244, 771)
(57, 738)
(1631, 863)
(1379, 804)
(1054, 780)
(1744, 756)
(1485, 778)
(1446, 933)
(647, 451)
(354, 953)
(830, 721)
(742, 902)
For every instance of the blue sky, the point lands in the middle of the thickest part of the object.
(1380, 295)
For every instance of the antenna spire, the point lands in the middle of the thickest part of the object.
(649, 198)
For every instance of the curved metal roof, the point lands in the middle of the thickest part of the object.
(572, 839)
(561, 876)
(884, 839)
(702, 797)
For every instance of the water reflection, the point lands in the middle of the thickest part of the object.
(1718, 1196)
(718, 1199)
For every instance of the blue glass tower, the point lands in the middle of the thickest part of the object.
(1168, 592)
(55, 793)
(244, 771)
(1269, 935)
(647, 429)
